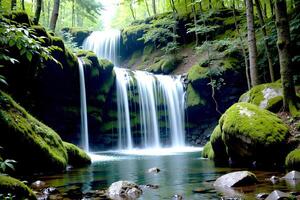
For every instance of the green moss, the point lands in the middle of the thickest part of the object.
(134, 57)
(9, 185)
(208, 152)
(292, 161)
(57, 41)
(77, 157)
(252, 133)
(267, 96)
(193, 98)
(165, 64)
(39, 148)
(20, 17)
(218, 145)
(41, 32)
(196, 72)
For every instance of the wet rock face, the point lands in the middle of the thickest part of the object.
(122, 190)
(236, 179)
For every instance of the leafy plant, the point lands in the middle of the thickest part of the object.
(161, 32)
(68, 41)
(23, 41)
(7, 164)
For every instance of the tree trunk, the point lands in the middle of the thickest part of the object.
(23, 4)
(13, 4)
(271, 7)
(242, 46)
(154, 7)
(252, 44)
(186, 6)
(264, 31)
(54, 16)
(195, 21)
(132, 11)
(73, 13)
(209, 4)
(147, 6)
(37, 12)
(283, 45)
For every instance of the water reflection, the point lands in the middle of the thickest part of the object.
(180, 174)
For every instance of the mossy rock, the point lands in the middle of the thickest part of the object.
(218, 145)
(77, 157)
(267, 96)
(40, 31)
(193, 98)
(292, 160)
(253, 134)
(165, 65)
(57, 41)
(78, 34)
(9, 185)
(207, 151)
(34, 146)
(20, 17)
(198, 76)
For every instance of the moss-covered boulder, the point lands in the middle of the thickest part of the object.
(165, 65)
(218, 145)
(267, 96)
(253, 134)
(292, 160)
(78, 34)
(16, 188)
(34, 146)
(76, 156)
(20, 17)
(207, 151)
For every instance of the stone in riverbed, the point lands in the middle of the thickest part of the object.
(262, 196)
(236, 179)
(293, 175)
(154, 170)
(277, 194)
(124, 190)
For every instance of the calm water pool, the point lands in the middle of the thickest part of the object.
(181, 173)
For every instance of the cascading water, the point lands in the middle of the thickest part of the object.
(160, 106)
(83, 111)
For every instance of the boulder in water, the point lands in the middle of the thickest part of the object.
(37, 185)
(277, 195)
(262, 196)
(292, 160)
(124, 190)
(236, 179)
(154, 170)
(293, 175)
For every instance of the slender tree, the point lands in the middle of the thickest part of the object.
(23, 4)
(271, 7)
(283, 45)
(195, 20)
(37, 11)
(13, 4)
(267, 47)
(252, 43)
(237, 28)
(147, 6)
(55, 13)
(154, 7)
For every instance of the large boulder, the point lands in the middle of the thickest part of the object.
(218, 145)
(124, 190)
(76, 156)
(236, 179)
(267, 96)
(18, 189)
(292, 160)
(253, 134)
(34, 146)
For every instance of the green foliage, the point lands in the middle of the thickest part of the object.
(161, 32)
(68, 39)
(20, 41)
(7, 164)
(292, 160)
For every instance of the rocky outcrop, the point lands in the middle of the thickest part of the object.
(267, 96)
(250, 134)
(76, 156)
(236, 179)
(9, 185)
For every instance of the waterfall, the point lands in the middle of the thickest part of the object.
(105, 44)
(83, 110)
(150, 107)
